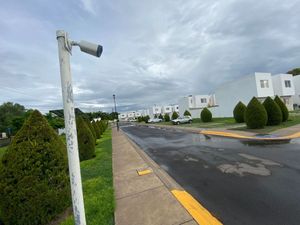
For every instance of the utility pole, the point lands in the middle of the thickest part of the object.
(64, 51)
(114, 97)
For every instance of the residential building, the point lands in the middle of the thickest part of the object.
(283, 85)
(155, 111)
(195, 103)
(296, 97)
(243, 89)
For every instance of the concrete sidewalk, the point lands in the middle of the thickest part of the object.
(143, 199)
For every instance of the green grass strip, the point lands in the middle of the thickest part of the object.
(97, 181)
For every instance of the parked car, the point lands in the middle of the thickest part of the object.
(154, 120)
(180, 120)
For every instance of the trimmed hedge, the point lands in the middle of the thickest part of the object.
(86, 142)
(255, 114)
(175, 115)
(273, 111)
(284, 110)
(187, 113)
(238, 112)
(97, 129)
(167, 117)
(34, 182)
(206, 115)
(91, 127)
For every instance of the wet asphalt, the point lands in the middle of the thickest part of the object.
(238, 183)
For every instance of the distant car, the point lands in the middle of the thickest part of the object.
(132, 120)
(180, 120)
(154, 120)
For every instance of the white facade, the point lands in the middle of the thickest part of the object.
(195, 103)
(125, 116)
(284, 87)
(296, 97)
(228, 95)
(167, 109)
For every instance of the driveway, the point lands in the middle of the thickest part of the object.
(240, 184)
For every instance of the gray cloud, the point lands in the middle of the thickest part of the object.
(154, 51)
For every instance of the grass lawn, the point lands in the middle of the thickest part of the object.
(216, 122)
(293, 120)
(97, 181)
(2, 150)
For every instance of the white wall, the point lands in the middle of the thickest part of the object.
(296, 97)
(167, 109)
(229, 94)
(183, 104)
(263, 92)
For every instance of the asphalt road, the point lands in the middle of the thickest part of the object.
(240, 184)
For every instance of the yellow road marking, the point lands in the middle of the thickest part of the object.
(144, 172)
(197, 211)
(233, 135)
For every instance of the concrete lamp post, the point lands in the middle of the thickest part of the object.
(64, 51)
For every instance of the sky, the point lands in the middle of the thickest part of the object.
(154, 52)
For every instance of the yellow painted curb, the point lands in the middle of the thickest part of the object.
(144, 172)
(234, 135)
(201, 215)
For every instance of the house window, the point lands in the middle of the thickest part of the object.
(264, 83)
(167, 108)
(287, 83)
(203, 100)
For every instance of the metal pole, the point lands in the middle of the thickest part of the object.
(70, 126)
(114, 96)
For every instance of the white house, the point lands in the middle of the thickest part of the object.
(296, 97)
(283, 85)
(167, 109)
(195, 103)
(243, 89)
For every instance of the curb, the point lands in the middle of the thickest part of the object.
(278, 139)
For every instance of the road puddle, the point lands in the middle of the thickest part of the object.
(254, 166)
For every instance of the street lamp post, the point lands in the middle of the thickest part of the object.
(114, 97)
(64, 51)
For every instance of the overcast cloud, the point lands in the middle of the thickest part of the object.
(154, 51)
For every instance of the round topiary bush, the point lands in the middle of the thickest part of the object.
(175, 115)
(238, 112)
(206, 115)
(86, 142)
(187, 113)
(167, 117)
(34, 181)
(284, 110)
(255, 114)
(273, 111)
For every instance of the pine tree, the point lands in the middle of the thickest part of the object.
(255, 115)
(34, 182)
(86, 142)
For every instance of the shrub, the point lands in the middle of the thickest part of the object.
(167, 117)
(175, 115)
(238, 112)
(140, 119)
(273, 111)
(146, 118)
(206, 115)
(34, 182)
(187, 113)
(91, 127)
(284, 110)
(255, 114)
(97, 129)
(86, 143)
(160, 117)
